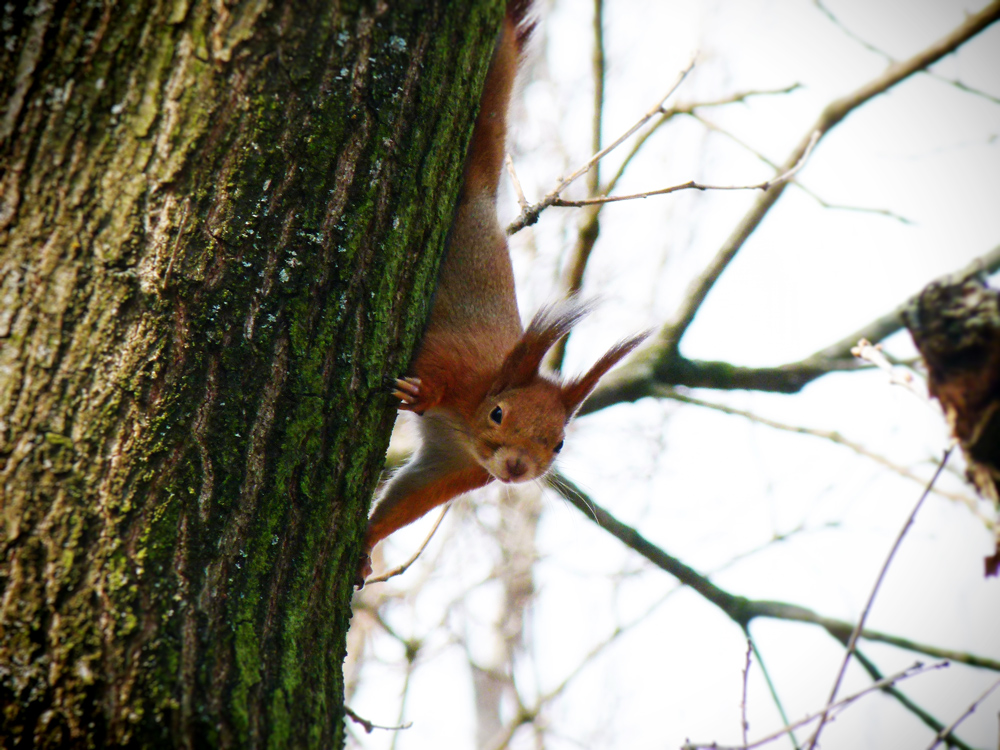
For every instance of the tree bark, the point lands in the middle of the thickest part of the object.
(955, 324)
(219, 231)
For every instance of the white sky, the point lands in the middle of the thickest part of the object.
(707, 486)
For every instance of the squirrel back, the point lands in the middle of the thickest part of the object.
(486, 411)
(475, 297)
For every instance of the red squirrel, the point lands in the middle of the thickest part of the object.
(487, 413)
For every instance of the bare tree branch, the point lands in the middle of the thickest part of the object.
(772, 689)
(655, 367)
(369, 726)
(589, 229)
(689, 108)
(856, 632)
(743, 611)
(503, 738)
(709, 125)
(400, 569)
(590, 226)
(833, 437)
(905, 701)
(946, 733)
(597, 71)
(913, 671)
(889, 58)
(522, 202)
(840, 25)
(964, 87)
(744, 724)
(650, 369)
(530, 215)
(740, 609)
(883, 327)
(835, 112)
(693, 185)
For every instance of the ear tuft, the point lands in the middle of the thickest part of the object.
(550, 324)
(577, 389)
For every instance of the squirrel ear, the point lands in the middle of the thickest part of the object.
(577, 389)
(550, 324)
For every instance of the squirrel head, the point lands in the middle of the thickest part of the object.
(520, 425)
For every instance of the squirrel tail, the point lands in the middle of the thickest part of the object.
(489, 138)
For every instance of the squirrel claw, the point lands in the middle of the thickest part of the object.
(408, 391)
(364, 570)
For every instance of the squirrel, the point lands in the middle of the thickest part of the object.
(486, 412)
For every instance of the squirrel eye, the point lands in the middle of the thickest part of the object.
(558, 447)
(497, 414)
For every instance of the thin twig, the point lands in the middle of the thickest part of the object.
(744, 724)
(530, 215)
(412, 650)
(508, 732)
(904, 700)
(690, 108)
(872, 353)
(521, 200)
(913, 671)
(597, 68)
(693, 185)
(840, 25)
(742, 611)
(399, 570)
(369, 726)
(711, 126)
(829, 435)
(890, 59)
(945, 733)
(773, 690)
(856, 633)
(964, 87)
(590, 227)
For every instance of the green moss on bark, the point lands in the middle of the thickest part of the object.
(226, 229)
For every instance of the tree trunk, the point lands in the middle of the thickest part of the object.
(219, 229)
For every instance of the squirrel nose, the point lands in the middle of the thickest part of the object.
(516, 467)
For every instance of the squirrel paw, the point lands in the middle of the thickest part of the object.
(407, 390)
(364, 570)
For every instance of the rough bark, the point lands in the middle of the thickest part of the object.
(955, 323)
(219, 227)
